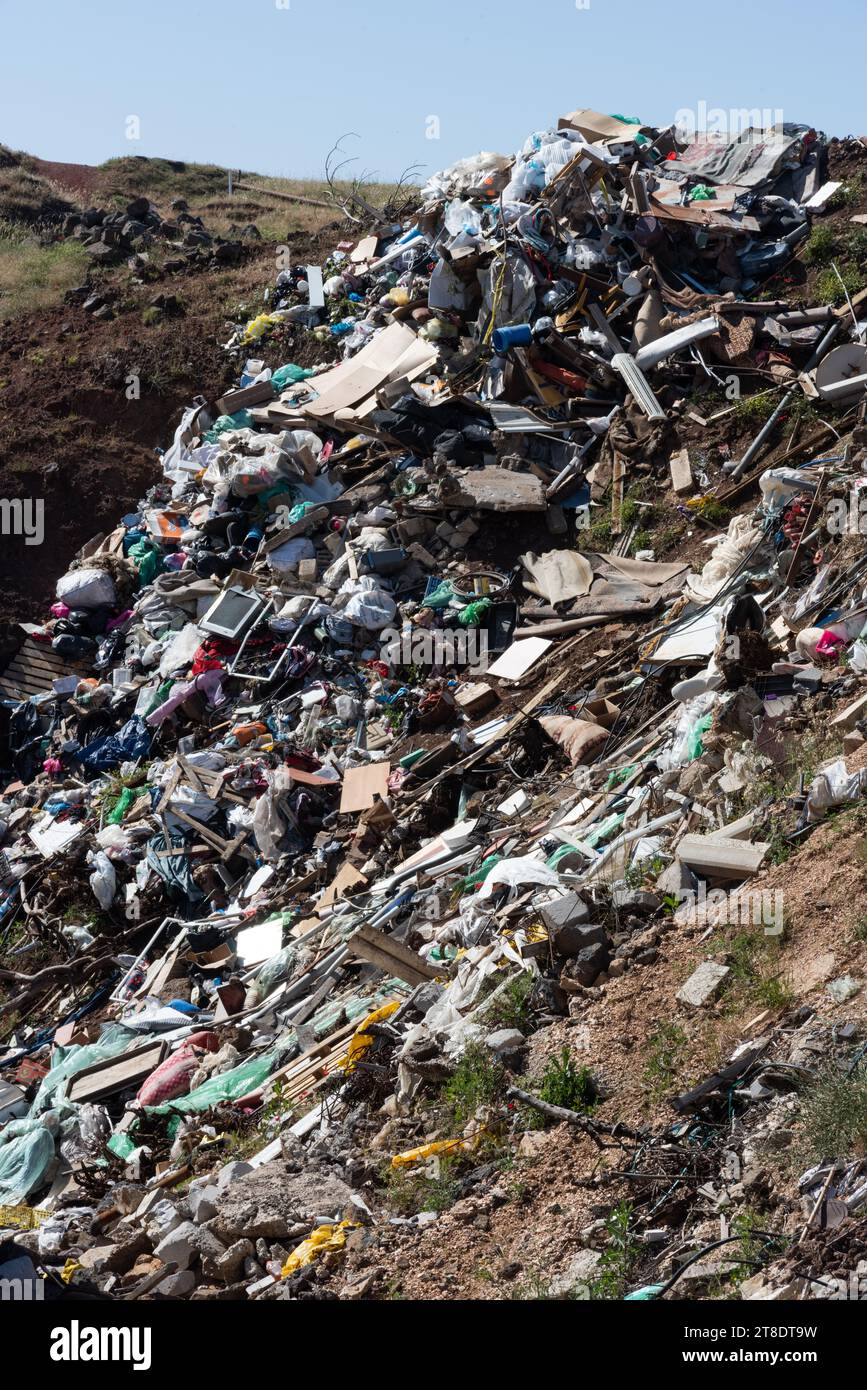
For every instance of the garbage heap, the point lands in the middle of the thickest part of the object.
(377, 738)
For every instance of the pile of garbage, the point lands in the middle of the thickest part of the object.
(359, 739)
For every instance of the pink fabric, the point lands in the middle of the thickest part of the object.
(829, 644)
(172, 1077)
(209, 682)
(119, 620)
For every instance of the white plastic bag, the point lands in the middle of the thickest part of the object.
(103, 880)
(92, 588)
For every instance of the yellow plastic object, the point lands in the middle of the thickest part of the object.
(69, 1269)
(23, 1217)
(322, 1241)
(259, 326)
(438, 1146)
(361, 1040)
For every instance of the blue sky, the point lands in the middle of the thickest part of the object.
(269, 85)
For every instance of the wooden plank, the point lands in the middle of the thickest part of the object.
(346, 878)
(209, 836)
(392, 956)
(118, 1073)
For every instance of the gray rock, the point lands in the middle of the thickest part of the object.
(203, 1203)
(179, 1246)
(126, 1252)
(178, 1285)
(703, 984)
(505, 1042)
(229, 1266)
(636, 900)
(579, 1273)
(570, 910)
(231, 1173)
(571, 938)
(161, 1219)
(589, 963)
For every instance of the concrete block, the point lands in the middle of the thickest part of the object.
(703, 984)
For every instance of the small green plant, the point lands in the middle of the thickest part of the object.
(821, 246)
(834, 1116)
(478, 1080)
(832, 286)
(779, 849)
(597, 536)
(709, 509)
(667, 538)
(752, 411)
(859, 931)
(417, 1190)
(532, 1288)
(666, 1048)
(773, 993)
(856, 244)
(849, 195)
(567, 1085)
(619, 1256)
(753, 979)
(511, 1008)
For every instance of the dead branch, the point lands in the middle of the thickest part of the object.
(353, 202)
(35, 985)
(593, 1128)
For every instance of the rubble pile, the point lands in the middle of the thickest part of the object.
(378, 745)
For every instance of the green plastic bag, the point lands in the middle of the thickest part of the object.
(148, 560)
(288, 375)
(441, 597)
(619, 775)
(473, 880)
(242, 419)
(696, 745)
(474, 612)
(122, 805)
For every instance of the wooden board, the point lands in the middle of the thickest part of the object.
(346, 878)
(32, 670)
(391, 956)
(118, 1073)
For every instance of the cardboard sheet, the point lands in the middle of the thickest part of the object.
(361, 785)
(518, 658)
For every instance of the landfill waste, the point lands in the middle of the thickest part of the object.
(357, 787)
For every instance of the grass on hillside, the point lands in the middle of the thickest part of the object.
(206, 189)
(34, 277)
(25, 196)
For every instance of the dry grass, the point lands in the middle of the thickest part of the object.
(27, 197)
(34, 277)
(205, 188)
